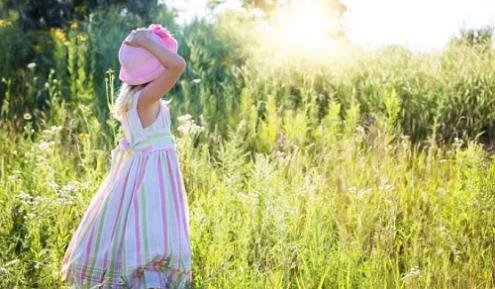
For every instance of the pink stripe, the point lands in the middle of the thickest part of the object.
(163, 205)
(182, 195)
(126, 214)
(95, 222)
(181, 192)
(88, 250)
(68, 255)
(102, 194)
(117, 216)
(136, 207)
(136, 223)
(96, 204)
(174, 194)
(124, 226)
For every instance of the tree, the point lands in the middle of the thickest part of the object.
(476, 37)
(42, 14)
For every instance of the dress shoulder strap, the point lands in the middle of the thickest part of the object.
(135, 98)
(133, 118)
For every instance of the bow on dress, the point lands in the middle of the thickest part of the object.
(123, 151)
(125, 146)
(163, 140)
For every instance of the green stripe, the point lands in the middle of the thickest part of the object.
(143, 220)
(89, 226)
(98, 237)
(116, 239)
(156, 138)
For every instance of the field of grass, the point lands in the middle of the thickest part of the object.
(373, 173)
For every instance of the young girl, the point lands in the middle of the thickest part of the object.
(135, 233)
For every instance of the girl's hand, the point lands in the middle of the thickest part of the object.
(138, 37)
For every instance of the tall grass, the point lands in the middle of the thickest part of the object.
(366, 175)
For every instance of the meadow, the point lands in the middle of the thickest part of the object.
(374, 172)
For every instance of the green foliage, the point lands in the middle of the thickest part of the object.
(372, 174)
(42, 14)
(479, 38)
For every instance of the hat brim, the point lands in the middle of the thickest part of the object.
(125, 76)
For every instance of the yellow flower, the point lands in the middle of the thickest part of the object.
(74, 25)
(59, 35)
(82, 37)
(5, 22)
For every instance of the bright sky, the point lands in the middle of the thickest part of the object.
(423, 25)
(417, 24)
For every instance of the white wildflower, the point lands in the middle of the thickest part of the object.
(85, 185)
(27, 116)
(55, 128)
(385, 187)
(360, 129)
(44, 145)
(352, 190)
(70, 187)
(24, 196)
(184, 118)
(360, 193)
(15, 176)
(53, 185)
(190, 128)
(68, 202)
(11, 262)
(187, 125)
(31, 65)
(412, 274)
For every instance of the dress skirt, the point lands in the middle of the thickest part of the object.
(135, 232)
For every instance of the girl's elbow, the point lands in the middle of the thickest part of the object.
(181, 65)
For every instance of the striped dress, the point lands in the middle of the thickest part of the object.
(135, 232)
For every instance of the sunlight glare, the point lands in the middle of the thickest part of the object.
(302, 30)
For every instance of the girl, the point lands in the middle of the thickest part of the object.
(135, 233)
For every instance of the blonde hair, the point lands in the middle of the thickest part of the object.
(123, 101)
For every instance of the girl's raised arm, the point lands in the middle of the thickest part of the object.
(174, 64)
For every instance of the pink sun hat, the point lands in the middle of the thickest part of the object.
(137, 64)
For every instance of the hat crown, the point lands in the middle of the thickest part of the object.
(138, 65)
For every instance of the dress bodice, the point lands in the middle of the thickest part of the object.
(133, 129)
(155, 136)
